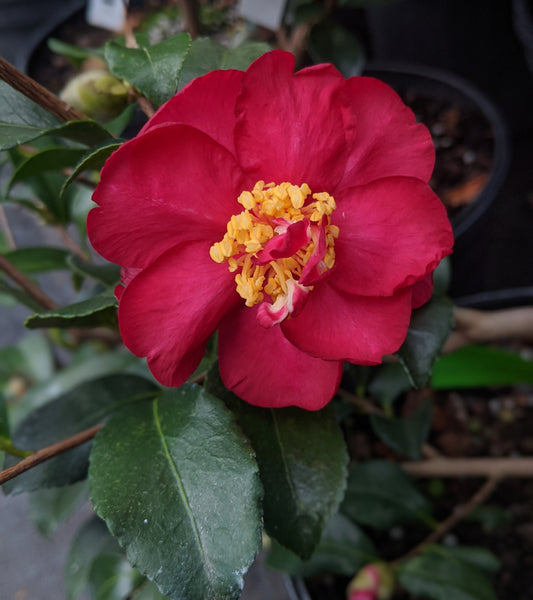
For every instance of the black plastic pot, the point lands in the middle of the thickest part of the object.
(433, 83)
(24, 23)
(523, 25)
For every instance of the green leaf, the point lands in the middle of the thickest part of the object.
(4, 423)
(149, 591)
(91, 540)
(98, 310)
(18, 295)
(70, 413)
(48, 508)
(205, 55)
(389, 382)
(178, 486)
(437, 575)
(329, 42)
(75, 54)
(21, 119)
(92, 160)
(429, 329)
(153, 70)
(107, 274)
(117, 125)
(78, 372)
(302, 461)
(379, 494)
(405, 435)
(343, 550)
(112, 578)
(51, 159)
(38, 259)
(87, 132)
(490, 517)
(480, 366)
(475, 556)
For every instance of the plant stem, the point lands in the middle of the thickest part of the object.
(36, 92)
(26, 284)
(71, 244)
(458, 514)
(192, 21)
(515, 466)
(40, 456)
(4, 225)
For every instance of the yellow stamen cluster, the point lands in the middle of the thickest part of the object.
(268, 210)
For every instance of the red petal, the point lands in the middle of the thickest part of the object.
(291, 127)
(392, 232)
(207, 103)
(264, 369)
(170, 309)
(422, 291)
(284, 245)
(387, 141)
(170, 185)
(336, 326)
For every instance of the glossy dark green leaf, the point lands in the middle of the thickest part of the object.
(91, 540)
(405, 435)
(21, 119)
(117, 125)
(206, 55)
(107, 274)
(38, 259)
(50, 159)
(479, 366)
(87, 132)
(437, 575)
(80, 371)
(379, 494)
(98, 310)
(153, 70)
(333, 43)
(48, 508)
(149, 591)
(390, 381)
(343, 550)
(92, 160)
(302, 460)
(70, 413)
(112, 578)
(18, 295)
(178, 486)
(429, 329)
(476, 556)
(76, 54)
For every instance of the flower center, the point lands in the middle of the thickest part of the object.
(279, 246)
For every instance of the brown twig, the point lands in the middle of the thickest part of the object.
(71, 244)
(192, 20)
(296, 42)
(36, 92)
(458, 514)
(44, 454)
(4, 225)
(514, 466)
(26, 284)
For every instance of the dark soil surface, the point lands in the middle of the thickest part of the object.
(467, 423)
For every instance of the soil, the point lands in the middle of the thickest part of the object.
(466, 423)
(464, 148)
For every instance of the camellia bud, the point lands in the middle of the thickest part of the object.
(373, 582)
(97, 93)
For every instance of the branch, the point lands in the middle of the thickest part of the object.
(515, 466)
(36, 92)
(26, 284)
(44, 454)
(192, 21)
(458, 514)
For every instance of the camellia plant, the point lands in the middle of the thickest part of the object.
(271, 238)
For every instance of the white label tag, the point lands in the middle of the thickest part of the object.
(109, 14)
(268, 14)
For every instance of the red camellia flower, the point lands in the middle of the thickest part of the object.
(288, 211)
